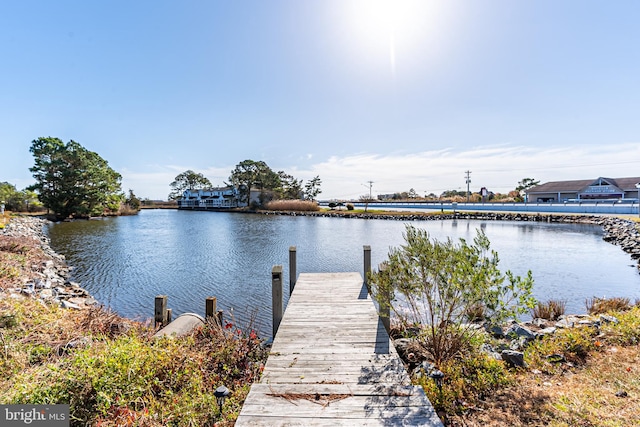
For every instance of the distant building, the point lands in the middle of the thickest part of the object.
(586, 189)
(214, 198)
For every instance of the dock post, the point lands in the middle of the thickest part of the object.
(276, 297)
(169, 315)
(210, 309)
(292, 268)
(367, 265)
(160, 310)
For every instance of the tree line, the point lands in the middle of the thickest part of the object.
(74, 181)
(248, 175)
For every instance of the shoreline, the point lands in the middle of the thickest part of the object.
(47, 280)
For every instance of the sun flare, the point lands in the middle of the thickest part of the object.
(386, 27)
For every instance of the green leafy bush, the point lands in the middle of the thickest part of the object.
(436, 285)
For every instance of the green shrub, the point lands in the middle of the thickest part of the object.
(626, 331)
(466, 379)
(439, 285)
(571, 345)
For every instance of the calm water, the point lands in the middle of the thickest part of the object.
(125, 262)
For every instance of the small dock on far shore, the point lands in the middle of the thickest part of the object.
(332, 363)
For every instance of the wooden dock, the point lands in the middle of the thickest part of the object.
(332, 363)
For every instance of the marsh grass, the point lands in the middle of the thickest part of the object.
(292, 205)
(549, 310)
(597, 305)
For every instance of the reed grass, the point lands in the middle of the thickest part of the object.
(549, 310)
(597, 305)
(292, 205)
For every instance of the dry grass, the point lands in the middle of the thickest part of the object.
(597, 305)
(595, 382)
(292, 205)
(19, 258)
(550, 310)
(583, 396)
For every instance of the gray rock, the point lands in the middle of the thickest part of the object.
(77, 343)
(46, 294)
(495, 331)
(539, 322)
(69, 305)
(609, 319)
(546, 331)
(489, 350)
(564, 324)
(513, 358)
(518, 331)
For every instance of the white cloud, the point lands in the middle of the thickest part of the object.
(499, 168)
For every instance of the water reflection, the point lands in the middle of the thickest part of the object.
(125, 262)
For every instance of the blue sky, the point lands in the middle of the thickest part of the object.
(407, 94)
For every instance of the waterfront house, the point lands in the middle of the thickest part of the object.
(214, 198)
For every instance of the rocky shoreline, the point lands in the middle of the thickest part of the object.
(49, 280)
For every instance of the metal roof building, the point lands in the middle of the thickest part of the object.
(585, 189)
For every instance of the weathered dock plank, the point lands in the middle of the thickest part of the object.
(332, 363)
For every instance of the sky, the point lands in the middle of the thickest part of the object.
(381, 96)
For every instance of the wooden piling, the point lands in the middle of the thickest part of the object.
(210, 307)
(276, 297)
(367, 265)
(160, 310)
(292, 268)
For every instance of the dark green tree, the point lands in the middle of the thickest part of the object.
(73, 181)
(290, 188)
(250, 174)
(188, 180)
(312, 188)
(133, 201)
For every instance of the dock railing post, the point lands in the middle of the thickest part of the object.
(160, 316)
(385, 307)
(367, 266)
(292, 268)
(276, 297)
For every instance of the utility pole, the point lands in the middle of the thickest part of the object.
(366, 205)
(370, 185)
(468, 177)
